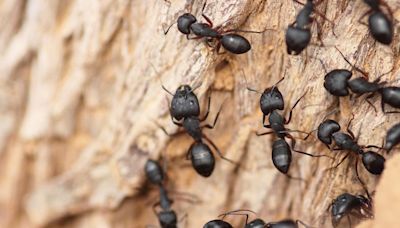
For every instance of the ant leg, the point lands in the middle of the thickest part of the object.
(193, 37)
(302, 223)
(215, 120)
(219, 152)
(348, 127)
(297, 131)
(369, 101)
(365, 74)
(208, 110)
(265, 133)
(309, 134)
(294, 106)
(359, 179)
(293, 178)
(364, 15)
(299, 2)
(388, 9)
(326, 19)
(171, 134)
(263, 122)
(245, 31)
(341, 161)
(293, 144)
(319, 35)
(218, 48)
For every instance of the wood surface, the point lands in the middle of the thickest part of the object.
(81, 101)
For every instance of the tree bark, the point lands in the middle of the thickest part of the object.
(81, 103)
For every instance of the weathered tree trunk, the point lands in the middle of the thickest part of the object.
(81, 105)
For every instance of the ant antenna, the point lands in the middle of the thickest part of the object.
(235, 211)
(195, 87)
(352, 65)
(247, 85)
(159, 78)
(169, 27)
(322, 63)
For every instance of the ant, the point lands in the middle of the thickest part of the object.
(162, 209)
(232, 42)
(281, 151)
(337, 82)
(272, 100)
(298, 34)
(259, 223)
(392, 137)
(380, 26)
(184, 105)
(373, 162)
(166, 216)
(347, 204)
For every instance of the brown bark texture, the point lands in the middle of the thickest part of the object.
(81, 104)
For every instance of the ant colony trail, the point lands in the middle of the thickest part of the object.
(200, 113)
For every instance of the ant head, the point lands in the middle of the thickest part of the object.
(167, 218)
(256, 223)
(203, 160)
(340, 206)
(271, 99)
(336, 82)
(185, 21)
(326, 129)
(154, 172)
(184, 103)
(217, 223)
(297, 39)
(373, 162)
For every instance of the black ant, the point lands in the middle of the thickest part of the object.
(281, 151)
(232, 42)
(157, 176)
(373, 162)
(392, 137)
(259, 223)
(380, 26)
(166, 216)
(347, 204)
(184, 105)
(337, 82)
(298, 34)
